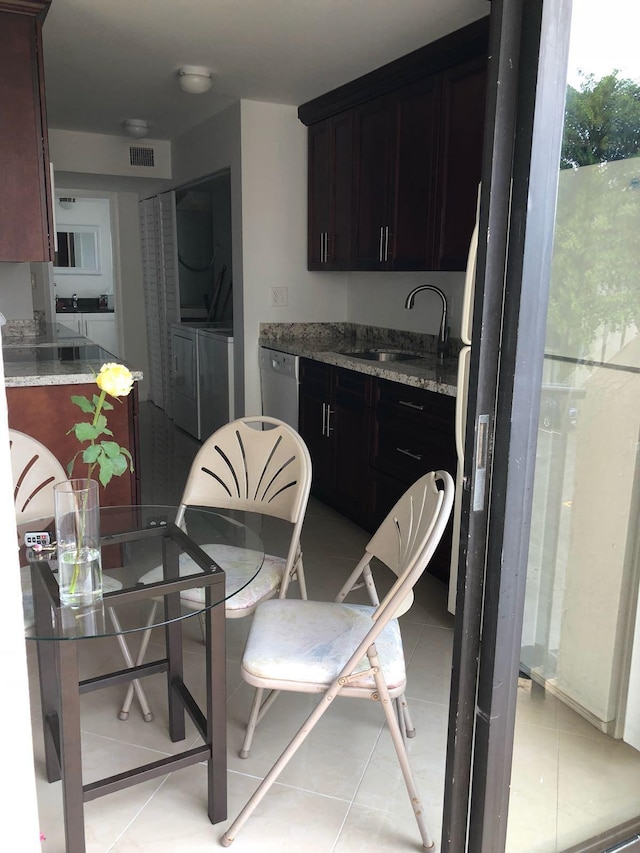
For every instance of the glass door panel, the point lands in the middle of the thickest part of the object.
(576, 760)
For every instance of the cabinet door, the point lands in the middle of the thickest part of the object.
(313, 414)
(460, 160)
(319, 192)
(25, 199)
(413, 229)
(374, 126)
(70, 321)
(351, 423)
(330, 193)
(101, 329)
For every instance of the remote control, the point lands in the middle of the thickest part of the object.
(38, 538)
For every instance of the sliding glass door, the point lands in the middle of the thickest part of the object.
(544, 748)
(576, 760)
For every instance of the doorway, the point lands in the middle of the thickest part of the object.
(203, 225)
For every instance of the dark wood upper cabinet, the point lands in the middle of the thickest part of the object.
(414, 197)
(414, 131)
(374, 150)
(330, 177)
(460, 160)
(26, 216)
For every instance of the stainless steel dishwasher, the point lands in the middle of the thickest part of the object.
(279, 385)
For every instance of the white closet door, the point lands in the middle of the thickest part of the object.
(168, 252)
(151, 280)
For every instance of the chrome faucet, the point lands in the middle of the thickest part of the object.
(442, 336)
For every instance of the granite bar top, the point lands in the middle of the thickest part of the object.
(334, 343)
(51, 354)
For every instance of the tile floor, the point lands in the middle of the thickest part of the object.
(343, 791)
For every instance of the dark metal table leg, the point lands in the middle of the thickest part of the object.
(216, 705)
(71, 757)
(48, 678)
(173, 633)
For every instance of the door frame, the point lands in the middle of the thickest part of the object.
(525, 110)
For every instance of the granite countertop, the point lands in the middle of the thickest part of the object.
(333, 343)
(52, 355)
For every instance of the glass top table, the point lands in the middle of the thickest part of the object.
(148, 562)
(133, 541)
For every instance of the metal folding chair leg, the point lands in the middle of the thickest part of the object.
(147, 713)
(404, 718)
(258, 710)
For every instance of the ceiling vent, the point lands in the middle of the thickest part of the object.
(141, 156)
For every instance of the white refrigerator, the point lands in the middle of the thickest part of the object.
(461, 402)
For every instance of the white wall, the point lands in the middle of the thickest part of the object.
(274, 232)
(20, 822)
(102, 154)
(377, 299)
(16, 301)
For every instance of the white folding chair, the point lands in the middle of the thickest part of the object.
(35, 472)
(245, 466)
(340, 649)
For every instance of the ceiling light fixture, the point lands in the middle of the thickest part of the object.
(194, 79)
(66, 202)
(136, 127)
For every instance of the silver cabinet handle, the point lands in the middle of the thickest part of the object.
(416, 456)
(324, 418)
(386, 242)
(410, 405)
(326, 247)
(380, 247)
(329, 413)
(322, 247)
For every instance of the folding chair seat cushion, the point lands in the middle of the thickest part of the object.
(239, 565)
(306, 644)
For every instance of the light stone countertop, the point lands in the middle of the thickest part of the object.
(331, 343)
(54, 355)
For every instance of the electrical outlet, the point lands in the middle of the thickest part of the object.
(278, 297)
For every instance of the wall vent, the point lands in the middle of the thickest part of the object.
(141, 156)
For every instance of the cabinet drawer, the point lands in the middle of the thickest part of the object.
(414, 405)
(408, 453)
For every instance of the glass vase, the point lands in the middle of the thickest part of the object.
(77, 513)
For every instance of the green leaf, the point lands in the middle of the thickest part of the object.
(84, 404)
(120, 465)
(111, 448)
(85, 432)
(129, 457)
(71, 464)
(106, 470)
(91, 453)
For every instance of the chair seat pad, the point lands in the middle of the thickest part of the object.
(309, 643)
(239, 565)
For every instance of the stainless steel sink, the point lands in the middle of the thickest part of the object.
(382, 355)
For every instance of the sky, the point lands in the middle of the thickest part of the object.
(604, 36)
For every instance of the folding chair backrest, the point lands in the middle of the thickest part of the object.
(408, 536)
(35, 471)
(243, 467)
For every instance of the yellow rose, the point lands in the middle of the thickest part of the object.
(115, 379)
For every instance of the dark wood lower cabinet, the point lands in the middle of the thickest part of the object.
(369, 439)
(46, 413)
